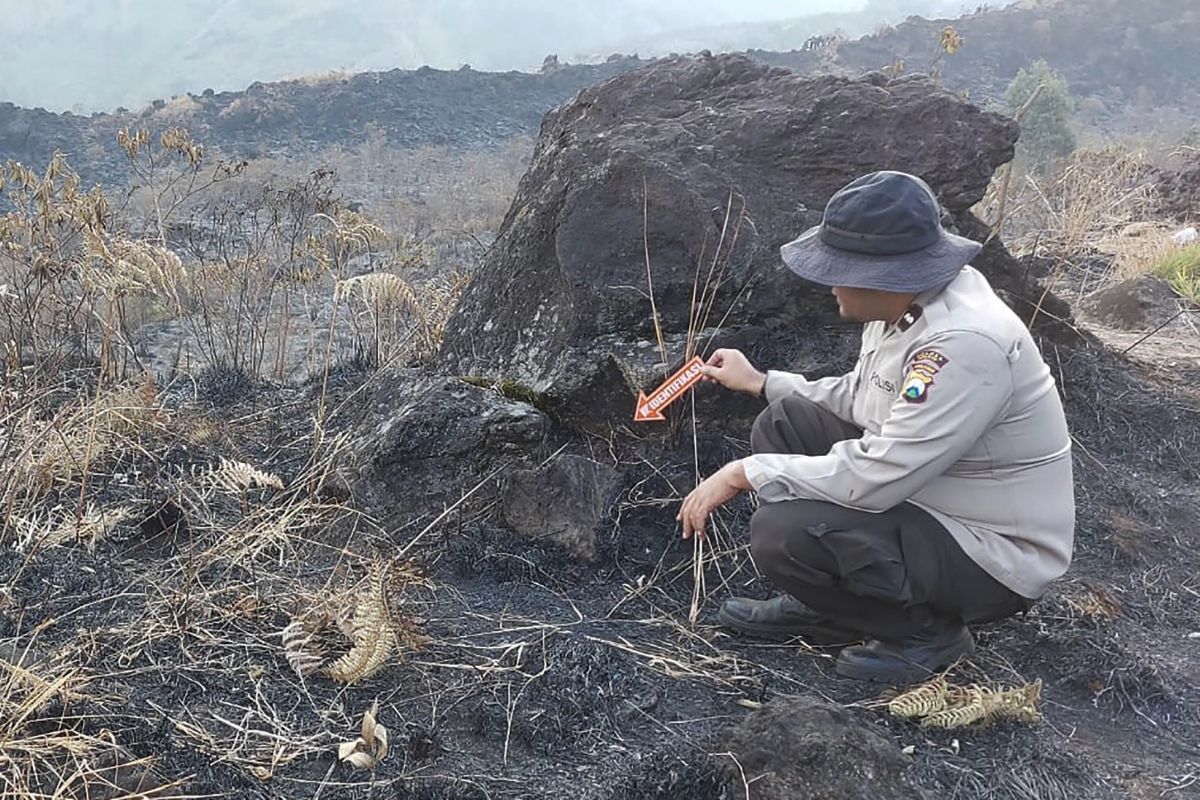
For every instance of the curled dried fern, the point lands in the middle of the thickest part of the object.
(378, 289)
(300, 649)
(969, 709)
(1018, 705)
(939, 704)
(373, 636)
(920, 701)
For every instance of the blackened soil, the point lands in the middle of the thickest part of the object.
(545, 678)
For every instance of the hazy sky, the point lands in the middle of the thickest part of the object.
(96, 54)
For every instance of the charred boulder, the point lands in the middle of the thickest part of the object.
(654, 209)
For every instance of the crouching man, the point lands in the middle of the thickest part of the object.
(928, 489)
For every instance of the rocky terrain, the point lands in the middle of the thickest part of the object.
(504, 533)
(1129, 66)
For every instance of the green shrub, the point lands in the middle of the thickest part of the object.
(1046, 132)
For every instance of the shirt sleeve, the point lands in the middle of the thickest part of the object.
(955, 386)
(835, 393)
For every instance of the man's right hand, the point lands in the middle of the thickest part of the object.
(733, 370)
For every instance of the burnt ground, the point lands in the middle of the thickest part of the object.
(543, 677)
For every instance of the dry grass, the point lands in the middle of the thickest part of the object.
(323, 78)
(1097, 193)
(91, 458)
(1095, 219)
(45, 753)
(59, 452)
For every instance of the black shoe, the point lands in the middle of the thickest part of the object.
(915, 659)
(782, 618)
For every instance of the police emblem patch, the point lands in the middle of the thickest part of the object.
(922, 368)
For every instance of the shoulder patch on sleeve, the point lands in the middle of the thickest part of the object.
(922, 368)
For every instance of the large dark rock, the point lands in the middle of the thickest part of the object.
(704, 166)
(804, 748)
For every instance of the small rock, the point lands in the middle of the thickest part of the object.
(1185, 237)
(562, 502)
(805, 748)
(1136, 304)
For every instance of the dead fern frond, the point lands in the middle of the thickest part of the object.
(1018, 705)
(122, 267)
(920, 701)
(236, 477)
(373, 635)
(940, 704)
(88, 528)
(377, 289)
(970, 709)
(301, 649)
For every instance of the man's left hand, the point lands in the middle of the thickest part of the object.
(712, 493)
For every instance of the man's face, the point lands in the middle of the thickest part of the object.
(857, 305)
(869, 305)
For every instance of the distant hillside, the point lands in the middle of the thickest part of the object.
(102, 55)
(409, 107)
(1126, 63)
(1120, 58)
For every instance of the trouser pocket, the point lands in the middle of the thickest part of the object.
(869, 564)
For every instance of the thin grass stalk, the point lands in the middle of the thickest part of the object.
(658, 334)
(1008, 168)
(724, 266)
(88, 451)
(698, 589)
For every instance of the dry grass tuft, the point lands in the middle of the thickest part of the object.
(64, 449)
(44, 754)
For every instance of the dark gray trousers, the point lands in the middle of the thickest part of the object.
(888, 575)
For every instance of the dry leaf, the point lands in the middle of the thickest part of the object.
(361, 760)
(369, 749)
(368, 726)
(382, 735)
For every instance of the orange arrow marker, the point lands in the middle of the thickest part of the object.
(649, 409)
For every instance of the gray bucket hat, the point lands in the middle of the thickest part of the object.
(882, 231)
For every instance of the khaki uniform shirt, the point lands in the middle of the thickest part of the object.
(960, 417)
